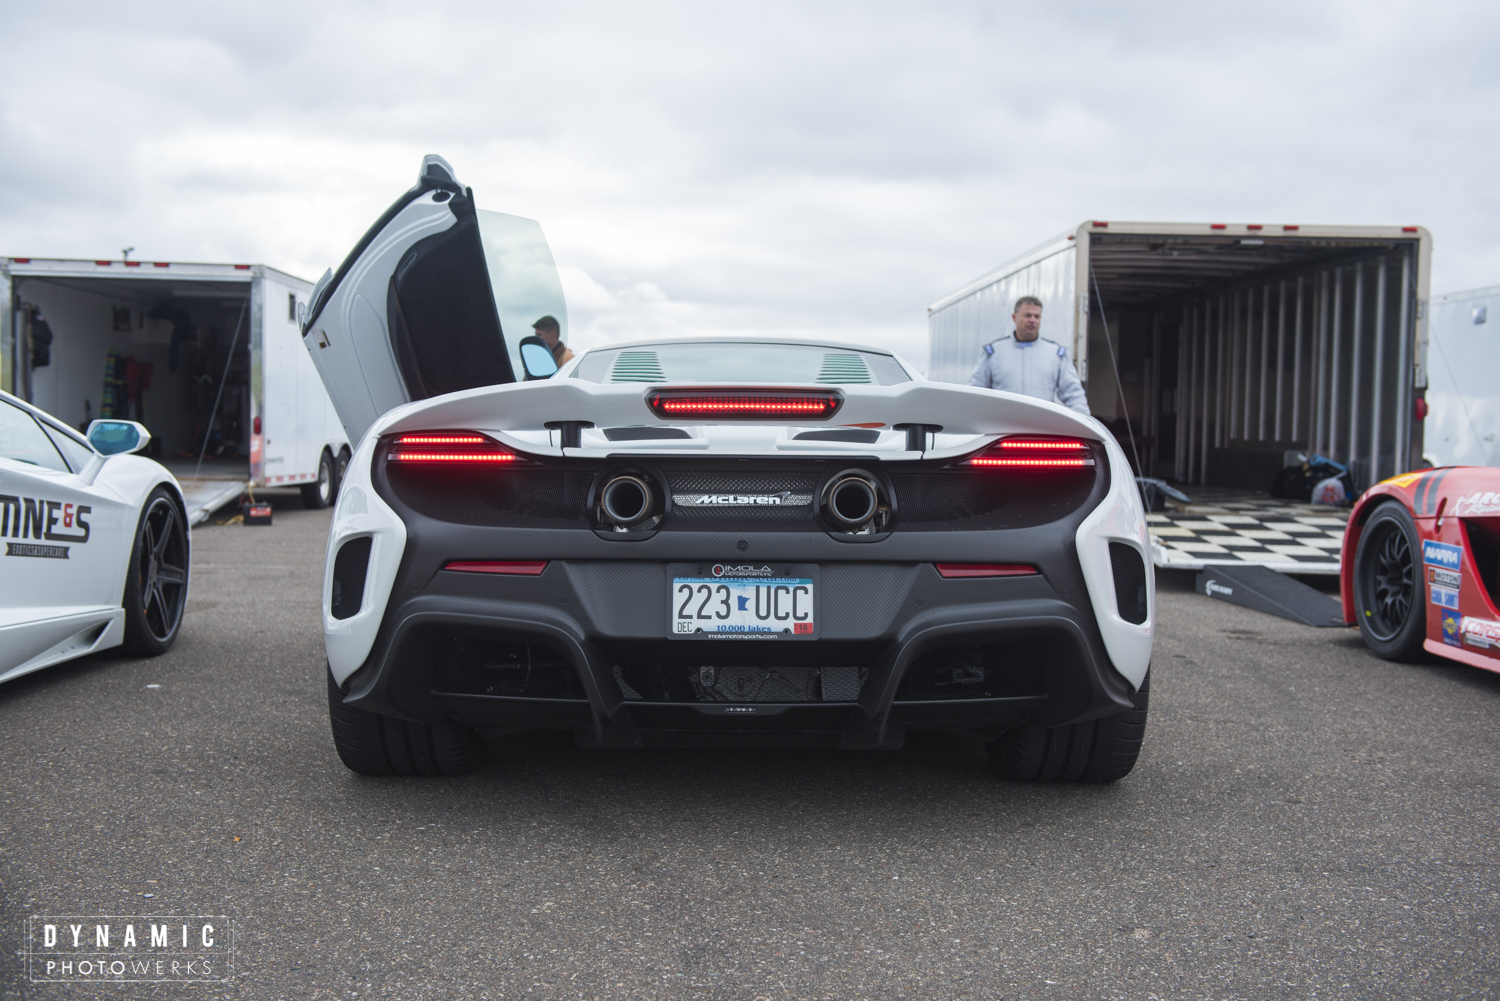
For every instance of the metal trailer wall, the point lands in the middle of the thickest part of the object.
(1235, 344)
(1463, 398)
(962, 323)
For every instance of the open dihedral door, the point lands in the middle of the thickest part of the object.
(412, 312)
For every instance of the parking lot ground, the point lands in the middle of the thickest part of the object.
(1305, 821)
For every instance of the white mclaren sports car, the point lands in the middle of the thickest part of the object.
(727, 541)
(96, 542)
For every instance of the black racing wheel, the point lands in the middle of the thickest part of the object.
(1387, 585)
(156, 583)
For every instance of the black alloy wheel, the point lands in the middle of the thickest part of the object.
(156, 583)
(320, 493)
(1387, 588)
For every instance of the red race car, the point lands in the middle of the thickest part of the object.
(1421, 566)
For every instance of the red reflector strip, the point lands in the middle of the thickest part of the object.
(1015, 463)
(516, 568)
(104, 264)
(132, 264)
(1099, 224)
(20, 260)
(1255, 225)
(743, 403)
(242, 267)
(1290, 229)
(453, 457)
(1408, 229)
(952, 570)
(1217, 225)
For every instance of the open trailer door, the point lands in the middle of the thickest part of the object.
(418, 308)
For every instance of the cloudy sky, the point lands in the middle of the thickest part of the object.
(826, 168)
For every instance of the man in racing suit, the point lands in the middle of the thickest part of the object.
(1029, 364)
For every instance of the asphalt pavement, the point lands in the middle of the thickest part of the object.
(1306, 821)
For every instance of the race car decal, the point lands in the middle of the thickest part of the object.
(1442, 554)
(1404, 480)
(1478, 504)
(1444, 597)
(1451, 622)
(39, 518)
(1480, 632)
(1444, 578)
(1425, 500)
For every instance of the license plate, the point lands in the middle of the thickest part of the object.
(748, 608)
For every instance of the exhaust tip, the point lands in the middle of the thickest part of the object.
(853, 501)
(626, 500)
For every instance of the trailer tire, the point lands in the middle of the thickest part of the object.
(1098, 750)
(321, 492)
(371, 744)
(340, 467)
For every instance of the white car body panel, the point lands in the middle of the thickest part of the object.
(515, 414)
(56, 609)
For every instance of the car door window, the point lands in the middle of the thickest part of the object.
(22, 439)
(74, 451)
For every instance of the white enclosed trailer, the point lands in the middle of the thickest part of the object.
(208, 356)
(1225, 345)
(1463, 398)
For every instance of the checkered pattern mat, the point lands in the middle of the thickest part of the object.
(1222, 527)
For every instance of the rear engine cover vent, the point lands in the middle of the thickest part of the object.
(637, 366)
(844, 369)
(1130, 582)
(349, 568)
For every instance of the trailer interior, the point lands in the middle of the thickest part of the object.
(1234, 350)
(173, 355)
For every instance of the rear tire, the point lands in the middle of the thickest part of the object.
(1099, 750)
(371, 744)
(1387, 585)
(156, 581)
(321, 492)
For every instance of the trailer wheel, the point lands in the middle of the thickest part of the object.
(1388, 586)
(321, 492)
(371, 744)
(1099, 750)
(341, 466)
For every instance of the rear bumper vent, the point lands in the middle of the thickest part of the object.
(349, 568)
(1130, 582)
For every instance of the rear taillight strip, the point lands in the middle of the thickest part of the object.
(1034, 452)
(465, 447)
(453, 457)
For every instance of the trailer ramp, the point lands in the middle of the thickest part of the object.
(1232, 528)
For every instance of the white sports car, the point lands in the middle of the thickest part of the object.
(96, 542)
(726, 541)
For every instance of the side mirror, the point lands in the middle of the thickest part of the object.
(537, 359)
(116, 437)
